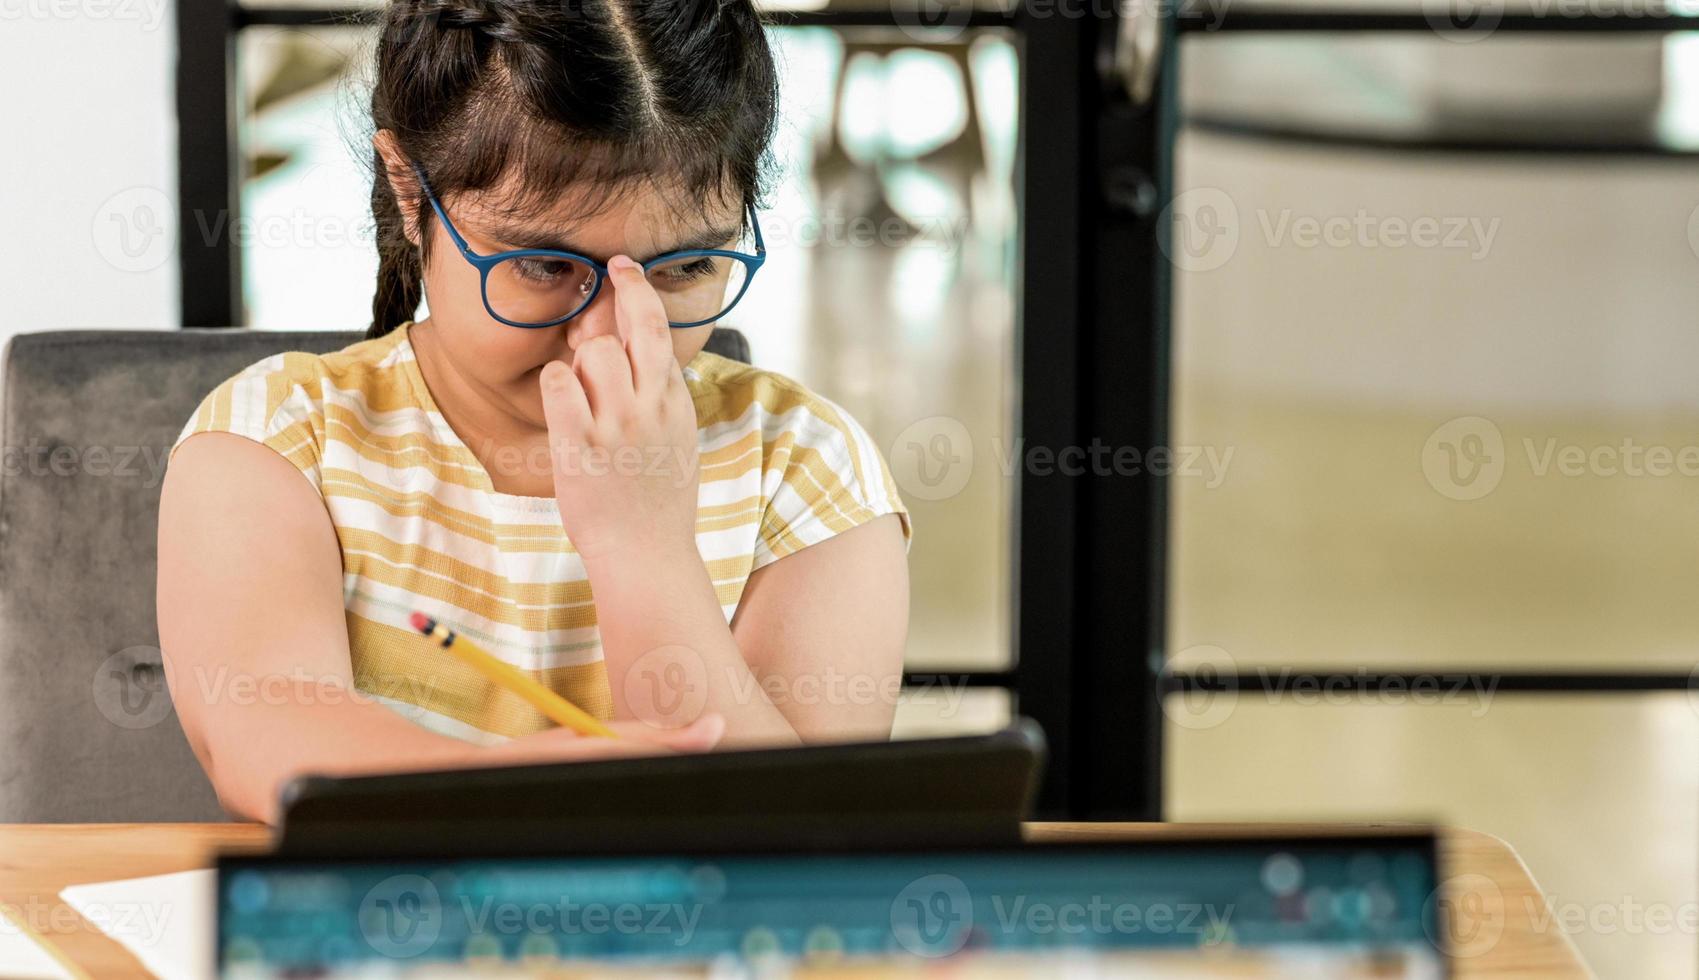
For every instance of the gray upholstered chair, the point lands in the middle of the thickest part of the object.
(85, 720)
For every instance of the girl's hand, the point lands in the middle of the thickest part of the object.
(622, 431)
(635, 739)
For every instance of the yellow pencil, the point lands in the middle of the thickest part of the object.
(564, 712)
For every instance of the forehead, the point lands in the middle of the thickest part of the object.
(639, 218)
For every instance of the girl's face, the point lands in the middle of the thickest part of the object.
(506, 360)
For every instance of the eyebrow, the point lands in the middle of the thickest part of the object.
(521, 238)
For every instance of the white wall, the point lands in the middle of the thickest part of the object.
(89, 128)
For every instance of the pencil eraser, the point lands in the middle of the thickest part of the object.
(422, 622)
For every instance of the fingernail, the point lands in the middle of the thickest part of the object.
(623, 262)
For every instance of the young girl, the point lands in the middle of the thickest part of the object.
(703, 552)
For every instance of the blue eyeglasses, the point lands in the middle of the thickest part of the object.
(534, 288)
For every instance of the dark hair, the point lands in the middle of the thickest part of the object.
(602, 95)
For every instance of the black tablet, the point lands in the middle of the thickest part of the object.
(965, 791)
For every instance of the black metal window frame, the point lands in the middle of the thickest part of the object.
(1090, 583)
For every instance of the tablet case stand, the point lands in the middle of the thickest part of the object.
(964, 792)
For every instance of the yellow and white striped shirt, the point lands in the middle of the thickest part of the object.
(422, 527)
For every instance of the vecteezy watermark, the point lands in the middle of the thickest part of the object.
(135, 230)
(129, 688)
(934, 916)
(146, 463)
(1201, 230)
(1693, 231)
(1212, 687)
(1465, 458)
(837, 229)
(142, 923)
(933, 459)
(837, 688)
(1468, 21)
(1463, 21)
(147, 13)
(932, 20)
(1624, 915)
(668, 687)
(676, 464)
(403, 916)
(297, 228)
(937, 21)
(1465, 915)
(1099, 458)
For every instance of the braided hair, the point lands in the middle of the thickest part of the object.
(594, 97)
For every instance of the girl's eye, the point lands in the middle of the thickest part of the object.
(684, 272)
(547, 272)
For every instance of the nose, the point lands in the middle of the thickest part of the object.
(595, 320)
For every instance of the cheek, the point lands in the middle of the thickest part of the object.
(486, 347)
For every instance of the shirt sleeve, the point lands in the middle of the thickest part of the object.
(826, 474)
(276, 403)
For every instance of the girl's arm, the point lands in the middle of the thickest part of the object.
(816, 650)
(255, 641)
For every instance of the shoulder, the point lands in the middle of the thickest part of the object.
(730, 393)
(281, 400)
(822, 471)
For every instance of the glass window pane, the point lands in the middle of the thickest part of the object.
(1598, 795)
(949, 709)
(1456, 393)
(305, 231)
(888, 286)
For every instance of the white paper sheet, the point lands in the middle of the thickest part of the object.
(165, 921)
(21, 957)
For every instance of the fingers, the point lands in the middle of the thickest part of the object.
(700, 735)
(642, 321)
(604, 371)
(566, 408)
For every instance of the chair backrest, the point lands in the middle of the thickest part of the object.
(87, 733)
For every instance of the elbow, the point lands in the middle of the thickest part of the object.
(243, 793)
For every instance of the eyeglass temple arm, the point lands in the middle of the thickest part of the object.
(755, 223)
(442, 215)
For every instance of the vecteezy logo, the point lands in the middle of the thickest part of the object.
(129, 688)
(1215, 693)
(932, 20)
(1465, 916)
(1464, 458)
(135, 230)
(1463, 21)
(932, 916)
(1199, 229)
(401, 916)
(1693, 230)
(667, 687)
(933, 458)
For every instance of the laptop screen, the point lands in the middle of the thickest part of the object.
(1341, 907)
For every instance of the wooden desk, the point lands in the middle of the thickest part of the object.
(36, 861)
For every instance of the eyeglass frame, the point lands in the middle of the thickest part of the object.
(484, 263)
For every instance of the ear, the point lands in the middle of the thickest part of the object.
(403, 182)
